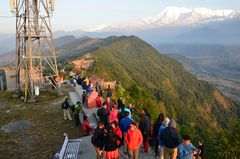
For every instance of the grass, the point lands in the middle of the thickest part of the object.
(7, 96)
(46, 133)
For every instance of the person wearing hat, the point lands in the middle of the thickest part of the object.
(133, 139)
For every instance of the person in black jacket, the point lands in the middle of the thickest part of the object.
(66, 109)
(109, 91)
(144, 127)
(84, 97)
(111, 143)
(98, 140)
(156, 127)
(171, 139)
(103, 114)
(120, 103)
(201, 154)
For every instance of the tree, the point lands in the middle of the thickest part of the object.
(227, 142)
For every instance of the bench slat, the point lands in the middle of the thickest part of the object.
(63, 147)
(70, 148)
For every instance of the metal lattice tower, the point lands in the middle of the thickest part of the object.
(35, 50)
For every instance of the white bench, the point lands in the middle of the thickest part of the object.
(70, 148)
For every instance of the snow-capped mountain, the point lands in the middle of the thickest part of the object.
(174, 16)
(186, 16)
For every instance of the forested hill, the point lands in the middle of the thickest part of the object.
(158, 82)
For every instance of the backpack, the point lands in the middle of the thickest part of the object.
(112, 138)
(97, 138)
(63, 105)
(76, 109)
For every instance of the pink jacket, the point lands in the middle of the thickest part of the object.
(114, 115)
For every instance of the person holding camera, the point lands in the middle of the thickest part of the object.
(186, 150)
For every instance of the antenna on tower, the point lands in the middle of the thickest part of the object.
(35, 53)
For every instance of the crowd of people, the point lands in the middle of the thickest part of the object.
(116, 127)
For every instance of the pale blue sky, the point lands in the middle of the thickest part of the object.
(86, 14)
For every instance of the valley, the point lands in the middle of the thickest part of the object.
(217, 64)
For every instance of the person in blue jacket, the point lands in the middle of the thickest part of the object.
(186, 150)
(170, 138)
(124, 126)
(160, 143)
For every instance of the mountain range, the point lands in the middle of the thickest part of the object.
(173, 16)
(172, 25)
(180, 25)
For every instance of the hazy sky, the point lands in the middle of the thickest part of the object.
(86, 14)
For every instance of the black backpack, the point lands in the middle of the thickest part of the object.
(111, 138)
(63, 105)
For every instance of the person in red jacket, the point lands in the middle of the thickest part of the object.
(108, 102)
(116, 130)
(99, 101)
(134, 139)
(86, 128)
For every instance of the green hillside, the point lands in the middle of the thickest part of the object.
(164, 83)
(154, 80)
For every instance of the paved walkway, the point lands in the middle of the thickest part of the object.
(87, 150)
(90, 113)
